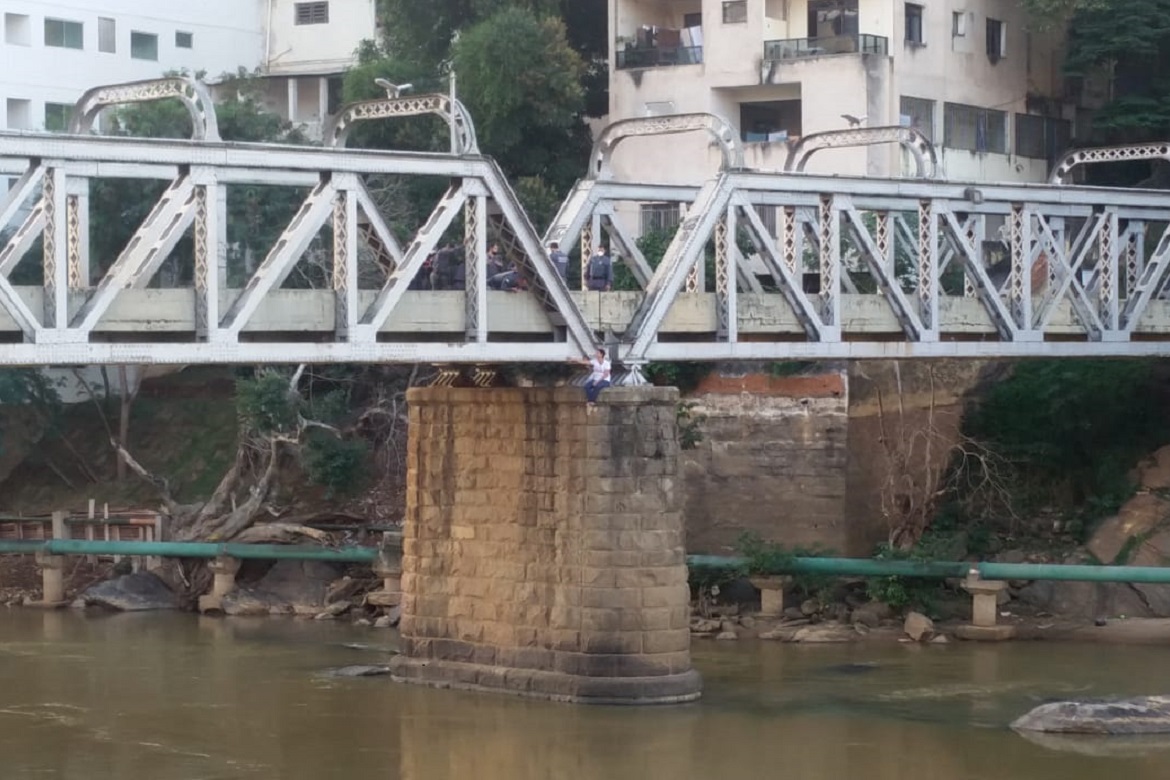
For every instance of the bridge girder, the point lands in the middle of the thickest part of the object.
(839, 267)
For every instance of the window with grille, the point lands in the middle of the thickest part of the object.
(107, 35)
(974, 129)
(144, 46)
(184, 40)
(1041, 137)
(914, 34)
(64, 34)
(919, 114)
(735, 12)
(312, 13)
(657, 217)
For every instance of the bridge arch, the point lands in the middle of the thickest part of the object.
(720, 129)
(193, 94)
(451, 110)
(1103, 154)
(913, 141)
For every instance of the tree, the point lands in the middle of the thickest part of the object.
(522, 83)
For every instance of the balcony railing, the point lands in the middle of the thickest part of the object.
(801, 48)
(657, 57)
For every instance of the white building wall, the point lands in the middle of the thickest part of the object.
(319, 48)
(225, 35)
(943, 69)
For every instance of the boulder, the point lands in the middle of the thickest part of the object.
(825, 635)
(918, 626)
(358, 671)
(1140, 517)
(1154, 472)
(1141, 715)
(728, 636)
(132, 593)
(289, 586)
(872, 614)
(1086, 600)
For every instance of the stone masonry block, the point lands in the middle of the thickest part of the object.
(669, 641)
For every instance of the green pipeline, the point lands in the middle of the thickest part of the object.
(837, 567)
(865, 567)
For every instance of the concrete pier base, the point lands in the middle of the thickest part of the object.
(543, 550)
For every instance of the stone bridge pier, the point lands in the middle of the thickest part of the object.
(543, 549)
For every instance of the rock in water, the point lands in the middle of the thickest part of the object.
(132, 593)
(358, 671)
(1141, 715)
(918, 626)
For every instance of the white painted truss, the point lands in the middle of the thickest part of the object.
(852, 267)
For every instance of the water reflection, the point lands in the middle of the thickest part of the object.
(175, 697)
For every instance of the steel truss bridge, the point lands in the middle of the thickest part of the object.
(803, 266)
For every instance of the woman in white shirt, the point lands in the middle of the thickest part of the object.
(599, 376)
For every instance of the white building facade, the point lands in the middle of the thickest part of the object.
(53, 51)
(967, 73)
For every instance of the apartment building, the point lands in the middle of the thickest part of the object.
(967, 73)
(53, 50)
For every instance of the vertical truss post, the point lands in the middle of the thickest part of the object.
(789, 240)
(56, 240)
(1135, 255)
(829, 238)
(1020, 282)
(886, 242)
(928, 281)
(1057, 228)
(586, 253)
(206, 302)
(219, 235)
(723, 277)
(345, 257)
(475, 251)
(77, 219)
(1108, 259)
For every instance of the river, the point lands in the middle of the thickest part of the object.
(178, 697)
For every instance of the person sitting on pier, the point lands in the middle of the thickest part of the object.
(599, 376)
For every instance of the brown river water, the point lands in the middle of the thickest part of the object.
(177, 697)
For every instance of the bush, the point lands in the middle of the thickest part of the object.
(339, 465)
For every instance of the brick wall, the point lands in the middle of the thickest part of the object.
(543, 549)
(772, 461)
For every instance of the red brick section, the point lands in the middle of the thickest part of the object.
(829, 385)
(543, 549)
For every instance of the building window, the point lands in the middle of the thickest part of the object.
(974, 129)
(57, 117)
(770, 121)
(918, 113)
(1041, 137)
(63, 34)
(19, 114)
(17, 30)
(657, 217)
(996, 40)
(184, 40)
(144, 46)
(959, 24)
(914, 24)
(312, 13)
(107, 35)
(735, 12)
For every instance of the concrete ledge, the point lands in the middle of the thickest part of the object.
(552, 686)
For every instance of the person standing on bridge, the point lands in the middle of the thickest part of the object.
(559, 258)
(600, 369)
(599, 271)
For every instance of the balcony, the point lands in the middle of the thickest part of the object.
(659, 57)
(804, 48)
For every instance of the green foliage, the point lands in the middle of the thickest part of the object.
(1077, 426)
(266, 404)
(903, 592)
(685, 376)
(339, 465)
(689, 430)
(31, 389)
(761, 558)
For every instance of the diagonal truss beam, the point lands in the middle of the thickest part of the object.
(282, 258)
(148, 248)
(1066, 271)
(19, 193)
(985, 290)
(399, 280)
(884, 275)
(380, 230)
(628, 248)
(681, 256)
(23, 239)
